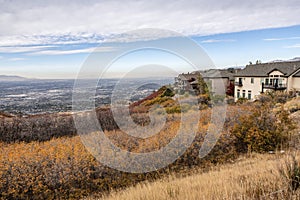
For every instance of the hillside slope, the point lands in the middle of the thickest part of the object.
(255, 177)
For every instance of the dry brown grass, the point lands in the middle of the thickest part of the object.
(62, 168)
(255, 177)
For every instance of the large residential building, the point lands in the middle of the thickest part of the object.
(186, 82)
(219, 81)
(258, 78)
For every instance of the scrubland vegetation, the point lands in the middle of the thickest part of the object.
(256, 176)
(46, 159)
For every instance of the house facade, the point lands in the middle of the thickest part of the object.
(186, 82)
(259, 78)
(219, 81)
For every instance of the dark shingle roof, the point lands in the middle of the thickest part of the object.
(217, 73)
(287, 68)
(297, 75)
(188, 76)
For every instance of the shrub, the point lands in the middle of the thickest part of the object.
(217, 98)
(262, 130)
(241, 100)
(168, 93)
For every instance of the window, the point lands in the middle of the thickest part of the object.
(267, 81)
(252, 80)
(244, 93)
(249, 94)
(238, 95)
(240, 81)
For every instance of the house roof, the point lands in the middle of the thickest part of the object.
(217, 73)
(287, 68)
(188, 76)
(297, 75)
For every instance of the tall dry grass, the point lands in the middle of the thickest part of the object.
(254, 177)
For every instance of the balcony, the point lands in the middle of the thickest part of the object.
(239, 84)
(275, 86)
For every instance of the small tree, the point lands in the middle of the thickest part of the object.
(263, 130)
(202, 86)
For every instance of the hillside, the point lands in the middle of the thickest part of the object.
(12, 78)
(230, 181)
(42, 158)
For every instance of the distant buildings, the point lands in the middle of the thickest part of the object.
(246, 83)
(220, 82)
(186, 82)
(258, 78)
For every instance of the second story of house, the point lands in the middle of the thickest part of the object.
(256, 79)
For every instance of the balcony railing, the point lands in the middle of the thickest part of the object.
(279, 86)
(240, 84)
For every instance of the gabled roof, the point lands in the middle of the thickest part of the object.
(297, 75)
(287, 68)
(217, 73)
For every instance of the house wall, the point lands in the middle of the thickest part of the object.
(293, 82)
(281, 78)
(296, 83)
(254, 87)
(218, 85)
(276, 72)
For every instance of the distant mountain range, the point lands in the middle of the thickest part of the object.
(12, 78)
(290, 60)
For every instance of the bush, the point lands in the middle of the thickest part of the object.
(217, 98)
(241, 100)
(168, 93)
(262, 130)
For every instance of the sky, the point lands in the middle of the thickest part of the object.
(53, 39)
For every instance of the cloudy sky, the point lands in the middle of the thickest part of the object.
(52, 39)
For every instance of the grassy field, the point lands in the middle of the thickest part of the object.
(256, 176)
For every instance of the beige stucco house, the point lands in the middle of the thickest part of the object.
(258, 78)
(218, 80)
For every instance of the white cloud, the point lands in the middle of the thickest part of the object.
(18, 40)
(73, 51)
(16, 59)
(293, 46)
(280, 39)
(216, 41)
(54, 22)
(22, 49)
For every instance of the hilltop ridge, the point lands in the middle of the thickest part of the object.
(12, 78)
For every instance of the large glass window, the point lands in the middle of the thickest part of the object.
(238, 94)
(267, 81)
(244, 94)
